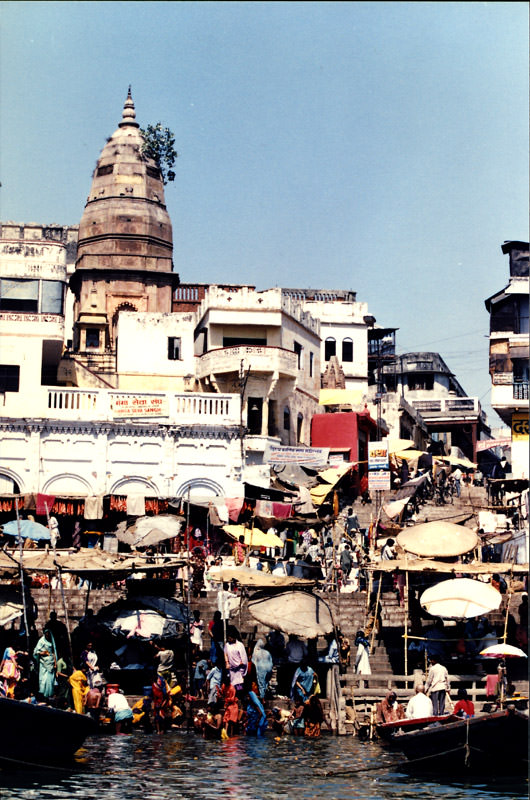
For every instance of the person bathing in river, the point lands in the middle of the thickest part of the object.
(389, 710)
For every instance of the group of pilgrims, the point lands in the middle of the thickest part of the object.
(224, 692)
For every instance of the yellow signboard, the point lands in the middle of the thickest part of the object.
(519, 427)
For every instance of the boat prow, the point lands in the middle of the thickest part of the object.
(38, 734)
(494, 743)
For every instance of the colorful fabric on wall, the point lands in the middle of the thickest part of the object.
(44, 504)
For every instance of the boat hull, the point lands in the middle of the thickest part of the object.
(492, 743)
(39, 734)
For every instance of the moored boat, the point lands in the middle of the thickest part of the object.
(494, 743)
(38, 734)
(389, 730)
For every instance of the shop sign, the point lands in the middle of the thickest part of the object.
(139, 405)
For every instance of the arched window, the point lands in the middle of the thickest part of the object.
(330, 348)
(286, 419)
(299, 426)
(347, 349)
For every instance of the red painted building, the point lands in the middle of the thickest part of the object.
(347, 434)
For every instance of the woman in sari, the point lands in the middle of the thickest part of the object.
(227, 694)
(313, 716)
(46, 657)
(304, 682)
(236, 659)
(262, 660)
(256, 717)
(9, 671)
(161, 704)
(79, 684)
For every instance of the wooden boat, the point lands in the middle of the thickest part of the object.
(389, 730)
(491, 743)
(38, 734)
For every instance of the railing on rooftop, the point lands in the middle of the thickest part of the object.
(453, 406)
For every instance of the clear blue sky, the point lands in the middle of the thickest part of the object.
(380, 147)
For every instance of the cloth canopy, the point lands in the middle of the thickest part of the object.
(301, 613)
(27, 529)
(148, 531)
(254, 537)
(414, 564)
(328, 480)
(457, 462)
(340, 397)
(398, 445)
(438, 538)
(254, 577)
(460, 598)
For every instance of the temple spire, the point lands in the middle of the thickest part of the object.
(129, 114)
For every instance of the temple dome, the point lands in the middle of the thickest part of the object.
(125, 224)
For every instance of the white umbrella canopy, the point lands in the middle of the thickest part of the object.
(148, 531)
(460, 598)
(438, 539)
(301, 613)
(502, 650)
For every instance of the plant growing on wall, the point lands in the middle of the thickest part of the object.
(159, 144)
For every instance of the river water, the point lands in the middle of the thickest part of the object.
(180, 765)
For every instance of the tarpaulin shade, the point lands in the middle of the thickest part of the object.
(460, 598)
(438, 539)
(28, 530)
(301, 613)
(340, 397)
(397, 445)
(254, 537)
(456, 461)
(254, 577)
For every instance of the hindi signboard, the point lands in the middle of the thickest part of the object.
(278, 454)
(378, 455)
(139, 405)
(379, 480)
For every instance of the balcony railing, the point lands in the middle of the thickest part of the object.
(450, 406)
(258, 358)
(520, 391)
(61, 403)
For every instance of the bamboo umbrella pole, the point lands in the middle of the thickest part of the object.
(406, 599)
(375, 611)
(61, 585)
(22, 581)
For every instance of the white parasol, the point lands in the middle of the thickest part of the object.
(502, 650)
(438, 539)
(460, 598)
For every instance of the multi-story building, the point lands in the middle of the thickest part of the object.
(265, 346)
(509, 353)
(427, 384)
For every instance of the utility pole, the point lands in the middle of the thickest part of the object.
(243, 379)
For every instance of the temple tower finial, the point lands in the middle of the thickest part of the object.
(129, 114)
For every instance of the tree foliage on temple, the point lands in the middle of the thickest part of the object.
(159, 144)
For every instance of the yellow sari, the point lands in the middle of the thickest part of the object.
(79, 683)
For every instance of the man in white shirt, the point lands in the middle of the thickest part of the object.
(419, 705)
(437, 685)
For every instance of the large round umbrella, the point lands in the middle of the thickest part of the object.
(460, 598)
(148, 531)
(438, 539)
(28, 530)
(502, 650)
(301, 613)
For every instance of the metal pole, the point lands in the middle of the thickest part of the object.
(20, 551)
(406, 619)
